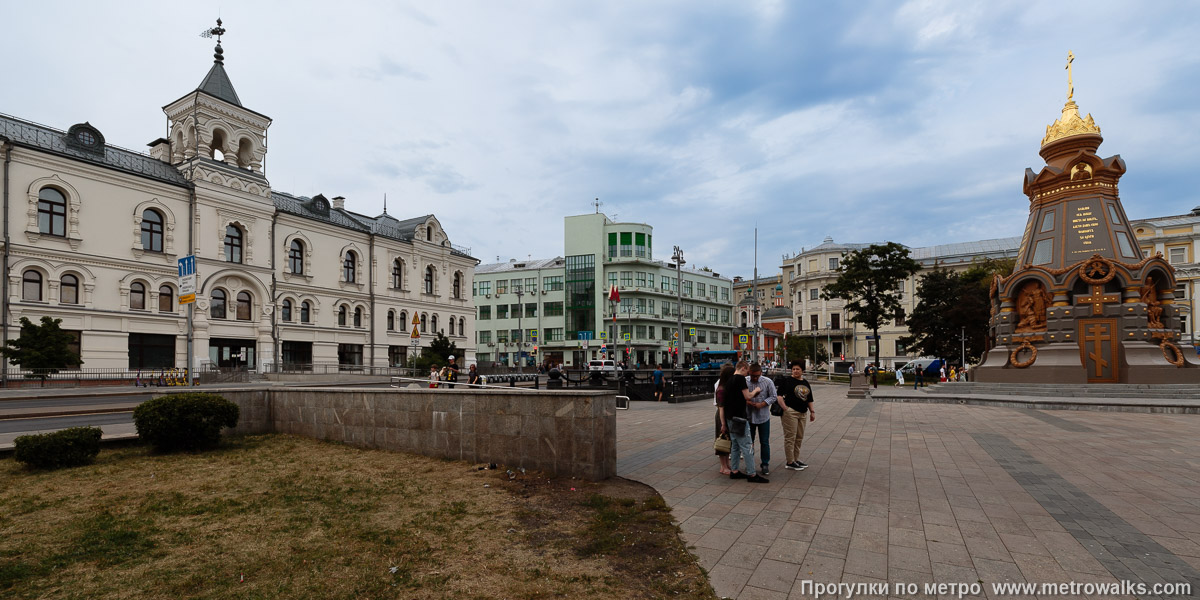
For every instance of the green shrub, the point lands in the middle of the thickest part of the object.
(189, 421)
(65, 448)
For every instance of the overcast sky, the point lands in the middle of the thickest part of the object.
(866, 121)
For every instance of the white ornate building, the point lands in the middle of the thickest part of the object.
(93, 233)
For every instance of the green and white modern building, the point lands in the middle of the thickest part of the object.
(557, 309)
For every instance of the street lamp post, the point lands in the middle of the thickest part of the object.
(964, 347)
(678, 258)
(829, 348)
(520, 331)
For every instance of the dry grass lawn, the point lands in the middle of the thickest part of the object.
(287, 517)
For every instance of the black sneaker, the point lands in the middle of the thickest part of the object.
(737, 475)
(757, 479)
(801, 466)
(792, 465)
(764, 471)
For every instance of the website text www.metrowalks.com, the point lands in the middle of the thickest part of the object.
(818, 589)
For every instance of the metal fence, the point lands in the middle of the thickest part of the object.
(61, 378)
(333, 368)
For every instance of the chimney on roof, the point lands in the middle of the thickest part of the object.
(339, 202)
(160, 149)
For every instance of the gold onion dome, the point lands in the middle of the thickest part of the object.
(1070, 124)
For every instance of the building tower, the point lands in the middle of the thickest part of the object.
(1082, 305)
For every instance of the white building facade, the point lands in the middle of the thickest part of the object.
(560, 305)
(93, 234)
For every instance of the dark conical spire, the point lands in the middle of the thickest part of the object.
(217, 83)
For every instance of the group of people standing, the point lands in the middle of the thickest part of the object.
(447, 376)
(745, 402)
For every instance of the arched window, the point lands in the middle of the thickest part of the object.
(397, 274)
(451, 325)
(429, 279)
(349, 267)
(423, 323)
(31, 285)
(243, 306)
(358, 317)
(218, 145)
(342, 316)
(458, 285)
(217, 310)
(285, 312)
(433, 323)
(137, 296)
(166, 299)
(68, 290)
(403, 321)
(52, 212)
(391, 320)
(245, 153)
(305, 312)
(233, 244)
(152, 231)
(462, 330)
(429, 233)
(296, 257)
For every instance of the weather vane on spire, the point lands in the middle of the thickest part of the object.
(1070, 86)
(218, 31)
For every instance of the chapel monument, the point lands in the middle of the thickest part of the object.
(1083, 305)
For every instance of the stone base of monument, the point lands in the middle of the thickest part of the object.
(859, 386)
(1107, 397)
(1057, 363)
(1138, 363)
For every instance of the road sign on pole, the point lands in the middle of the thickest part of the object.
(187, 280)
(415, 334)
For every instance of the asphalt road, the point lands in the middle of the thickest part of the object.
(70, 403)
(20, 426)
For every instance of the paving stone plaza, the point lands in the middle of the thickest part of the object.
(933, 493)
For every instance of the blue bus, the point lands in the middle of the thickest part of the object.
(714, 359)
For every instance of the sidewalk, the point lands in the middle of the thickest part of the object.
(918, 493)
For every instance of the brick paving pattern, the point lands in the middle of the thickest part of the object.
(915, 493)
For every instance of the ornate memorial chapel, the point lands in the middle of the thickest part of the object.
(93, 233)
(1083, 305)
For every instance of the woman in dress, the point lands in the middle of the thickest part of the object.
(726, 374)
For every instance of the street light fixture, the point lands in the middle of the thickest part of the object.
(829, 348)
(677, 257)
(520, 331)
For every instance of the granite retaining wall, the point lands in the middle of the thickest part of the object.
(566, 433)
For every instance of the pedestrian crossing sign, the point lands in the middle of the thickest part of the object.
(743, 338)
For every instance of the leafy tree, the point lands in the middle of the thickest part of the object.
(42, 349)
(869, 282)
(951, 304)
(803, 348)
(439, 352)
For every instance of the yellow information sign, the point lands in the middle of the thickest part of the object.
(743, 338)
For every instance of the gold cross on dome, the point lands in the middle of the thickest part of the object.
(1070, 86)
(1097, 299)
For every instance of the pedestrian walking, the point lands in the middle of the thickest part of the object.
(760, 416)
(451, 371)
(433, 376)
(899, 378)
(473, 376)
(734, 400)
(795, 396)
(657, 377)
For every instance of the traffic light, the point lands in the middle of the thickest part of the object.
(534, 353)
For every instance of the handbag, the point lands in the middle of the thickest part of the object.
(776, 409)
(722, 443)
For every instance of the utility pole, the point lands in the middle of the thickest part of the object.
(678, 258)
(520, 333)
(754, 294)
(963, 337)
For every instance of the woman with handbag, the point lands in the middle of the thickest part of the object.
(721, 445)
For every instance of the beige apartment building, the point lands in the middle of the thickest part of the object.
(94, 233)
(1177, 238)
(805, 274)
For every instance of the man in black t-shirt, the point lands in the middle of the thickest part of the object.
(734, 398)
(795, 396)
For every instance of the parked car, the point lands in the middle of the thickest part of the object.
(928, 366)
(604, 366)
